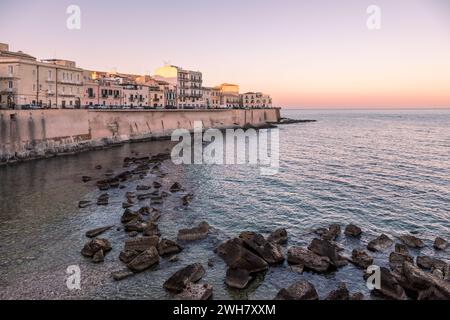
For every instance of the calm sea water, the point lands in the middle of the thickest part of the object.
(386, 171)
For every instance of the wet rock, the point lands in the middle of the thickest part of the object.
(133, 234)
(157, 185)
(174, 258)
(166, 247)
(421, 280)
(130, 194)
(341, 293)
(96, 232)
(144, 260)
(440, 244)
(98, 257)
(332, 233)
(308, 259)
(389, 287)
(353, 231)
(396, 259)
(381, 243)
(128, 255)
(145, 211)
(156, 200)
(151, 229)
(270, 252)
(301, 290)
(198, 233)
(176, 187)
(121, 275)
(103, 200)
(357, 296)
(236, 256)
(126, 205)
(103, 185)
(134, 226)
(114, 183)
(164, 194)
(154, 215)
(187, 199)
(95, 245)
(141, 244)
(361, 258)
(144, 196)
(401, 248)
(180, 279)
(237, 278)
(279, 236)
(433, 264)
(129, 216)
(143, 188)
(326, 249)
(84, 204)
(86, 179)
(197, 292)
(210, 262)
(412, 241)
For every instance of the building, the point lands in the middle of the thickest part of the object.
(211, 97)
(229, 96)
(24, 81)
(101, 91)
(188, 85)
(256, 100)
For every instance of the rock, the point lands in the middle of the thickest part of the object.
(270, 252)
(95, 245)
(389, 287)
(308, 259)
(301, 290)
(176, 187)
(195, 292)
(380, 244)
(210, 262)
(433, 264)
(121, 275)
(86, 179)
(361, 258)
(156, 200)
(412, 241)
(129, 216)
(421, 280)
(144, 196)
(166, 247)
(141, 244)
(103, 185)
(180, 279)
(126, 205)
(332, 233)
(144, 260)
(151, 229)
(326, 249)
(128, 255)
(357, 296)
(133, 234)
(396, 259)
(236, 256)
(103, 200)
(341, 293)
(174, 258)
(402, 249)
(237, 278)
(84, 204)
(98, 257)
(187, 199)
(297, 268)
(157, 185)
(114, 183)
(155, 214)
(279, 236)
(145, 211)
(353, 231)
(143, 188)
(431, 294)
(96, 232)
(440, 244)
(198, 233)
(134, 226)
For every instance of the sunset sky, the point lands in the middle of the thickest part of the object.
(305, 53)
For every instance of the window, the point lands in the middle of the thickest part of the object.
(10, 70)
(49, 74)
(10, 84)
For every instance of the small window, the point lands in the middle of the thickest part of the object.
(10, 70)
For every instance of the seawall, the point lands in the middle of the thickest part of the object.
(34, 134)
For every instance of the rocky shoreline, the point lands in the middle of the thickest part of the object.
(250, 254)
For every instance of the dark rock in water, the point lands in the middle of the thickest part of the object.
(357, 296)
(195, 292)
(103, 200)
(95, 245)
(187, 199)
(308, 259)
(155, 214)
(121, 275)
(143, 188)
(353, 231)
(210, 262)
(279, 236)
(326, 249)
(341, 293)
(396, 259)
(114, 183)
(361, 258)
(103, 185)
(141, 244)
(109, 173)
(128, 255)
(98, 257)
(433, 264)
(151, 229)
(331, 233)
(301, 290)
(86, 179)
(84, 204)
(144, 196)
(129, 216)
(198, 233)
(270, 252)
(236, 256)
(156, 200)
(174, 258)
(440, 244)
(180, 279)
(381, 243)
(421, 280)
(412, 241)
(144, 260)
(237, 278)
(126, 205)
(389, 287)
(133, 234)
(134, 226)
(402, 249)
(166, 247)
(145, 211)
(96, 232)
(157, 185)
(176, 187)
(164, 194)
(130, 194)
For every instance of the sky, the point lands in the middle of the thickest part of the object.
(305, 53)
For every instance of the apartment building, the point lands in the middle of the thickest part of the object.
(229, 96)
(104, 91)
(135, 95)
(211, 97)
(256, 100)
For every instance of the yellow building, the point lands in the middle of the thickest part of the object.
(229, 96)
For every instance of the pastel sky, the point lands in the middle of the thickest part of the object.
(306, 53)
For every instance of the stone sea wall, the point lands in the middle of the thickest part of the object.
(34, 134)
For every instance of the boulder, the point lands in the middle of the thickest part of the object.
(389, 287)
(301, 290)
(326, 249)
(180, 279)
(186, 199)
(412, 241)
(144, 196)
(176, 187)
(353, 231)
(308, 259)
(197, 233)
(98, 257)
(121, 275)
(421, 280)
(144, 260)
(381, 243)
(237, 278)
(141, 244)
(103, 185)
(157, 185)
(151, 229)
(330, 234)
(96, 232)
(196, 292)
(361, 258)
(270, 252)
(396, 259)
(401, 248)
(341, 293)
(279, 236)
(433, 264)
(440, 243)
(166, 247)
(128, 255)
(134, 226)
(103, 200)
(95, 245)
(84, 204)
(154, 215)
(129, 216)
(236, 256)
(143, 188)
